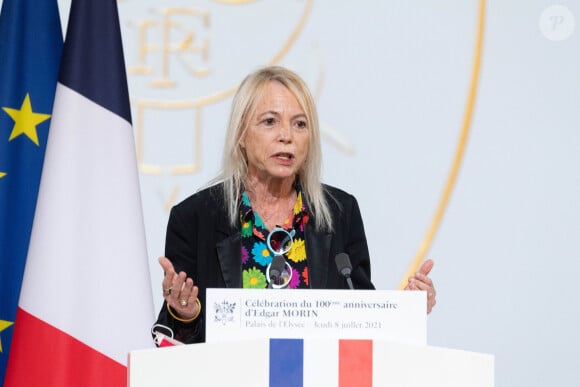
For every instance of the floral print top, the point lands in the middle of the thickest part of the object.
(256, 256)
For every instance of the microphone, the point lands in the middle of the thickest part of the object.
(344, 267)
(277, 266)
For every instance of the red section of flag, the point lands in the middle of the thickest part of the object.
(46, 356)
(355, 363)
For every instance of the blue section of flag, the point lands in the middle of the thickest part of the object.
(30, 49)
(92, 71)
(286, 362)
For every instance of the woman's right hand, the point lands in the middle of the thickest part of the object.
(179, 291)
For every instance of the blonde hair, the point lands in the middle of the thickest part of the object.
(235, 163)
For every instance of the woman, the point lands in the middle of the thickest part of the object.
(267, 201)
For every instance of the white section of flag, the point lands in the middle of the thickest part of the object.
(87, 271)
(320, 363)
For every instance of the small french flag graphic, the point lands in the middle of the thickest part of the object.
(295, 363)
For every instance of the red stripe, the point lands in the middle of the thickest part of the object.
(42, 355)
(355, 364)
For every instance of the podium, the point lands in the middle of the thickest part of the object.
(337, 339)
(309, 362)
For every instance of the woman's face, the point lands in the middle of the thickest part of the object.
(276, 139)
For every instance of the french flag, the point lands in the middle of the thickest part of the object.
(86, 296)
(295, 363)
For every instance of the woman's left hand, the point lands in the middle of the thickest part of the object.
(421, 281)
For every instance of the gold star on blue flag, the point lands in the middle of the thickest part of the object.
(30, 50)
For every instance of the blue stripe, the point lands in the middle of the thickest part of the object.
(92, 62)
(286, 362)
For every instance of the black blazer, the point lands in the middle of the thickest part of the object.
(201, 242)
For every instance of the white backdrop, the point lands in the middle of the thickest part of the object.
(392, 80)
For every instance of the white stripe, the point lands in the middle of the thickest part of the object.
(87, 270)
(320, 362)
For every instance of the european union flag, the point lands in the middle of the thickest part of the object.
(30, 50)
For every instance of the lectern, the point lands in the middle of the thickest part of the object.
(317, 338)
(309, 362)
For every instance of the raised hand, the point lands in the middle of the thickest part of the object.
(421, 281)
(179, 291)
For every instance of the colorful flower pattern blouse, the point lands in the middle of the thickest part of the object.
(256, 256)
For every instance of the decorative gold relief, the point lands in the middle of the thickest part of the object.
(196, 122)
(144, 49)
(459, 152)
(186, 45)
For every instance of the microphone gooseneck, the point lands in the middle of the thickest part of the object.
(344, 267)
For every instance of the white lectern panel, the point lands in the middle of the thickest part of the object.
(247, 363)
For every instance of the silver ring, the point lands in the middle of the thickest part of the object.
(167, 291)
